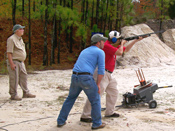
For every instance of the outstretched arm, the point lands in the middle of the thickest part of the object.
(128, 47)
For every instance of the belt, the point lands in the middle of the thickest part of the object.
(108, 71)
(17, 61)
(81, 73)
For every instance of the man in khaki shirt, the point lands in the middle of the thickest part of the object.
(16, 54)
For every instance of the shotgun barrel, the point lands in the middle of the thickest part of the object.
(143, 35)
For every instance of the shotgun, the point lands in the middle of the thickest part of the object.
(143, 35)
(135, 37)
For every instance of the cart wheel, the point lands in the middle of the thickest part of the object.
(152, 104)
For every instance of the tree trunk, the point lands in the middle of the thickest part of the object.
(71, 32)
(68, 28)
(59, 40)
(117, 17)
(59, 36)
(83, 44)
(29, 36)
(34, 6)
(92, 18)
(97, 11)
(105, 17)
(121, 19)
(45, 55)
(60, 2)
(54, 37)
(161, 15)
(109, 23)
(101, 27)
(41, 3)
(64, 3)
(14, 11)
(22, 8)
(82, 11)
(53, 42)
(86, 13)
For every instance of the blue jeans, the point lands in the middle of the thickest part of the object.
(88, 85)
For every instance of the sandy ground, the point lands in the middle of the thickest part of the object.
(51, 88)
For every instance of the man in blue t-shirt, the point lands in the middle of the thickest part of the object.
(82, 79)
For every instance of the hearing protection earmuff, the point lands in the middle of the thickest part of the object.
(114, 39)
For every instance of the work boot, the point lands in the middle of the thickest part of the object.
(60, 125)
(114, 115)
(16, 98)
(101, 126)
(28, 95)
(88, 120)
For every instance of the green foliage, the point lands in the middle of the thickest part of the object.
(95, 28)
(106, 33)
(33, 68)
(117, 10)
(171, 9)
(70, 58)
(67, 14)
(163, 6)
(73, 16)
(127, 12)
(3, 67)
(40, 11)
(82, 31)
